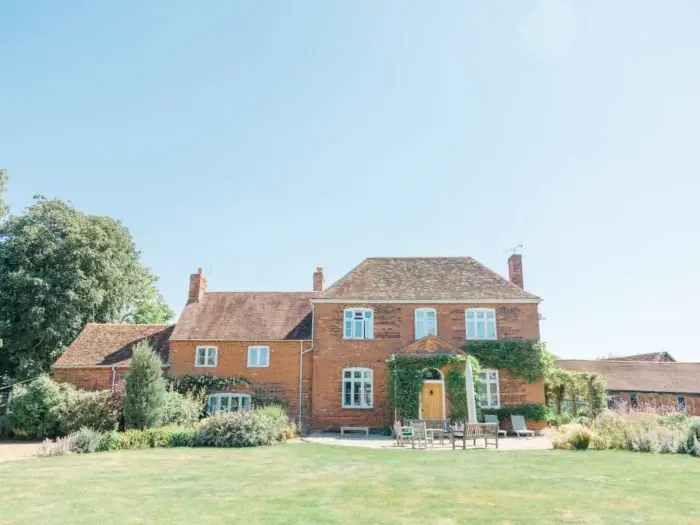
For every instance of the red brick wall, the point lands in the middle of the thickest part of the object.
(692, 401)
(280, 378)
(394, 329)
(87, 378)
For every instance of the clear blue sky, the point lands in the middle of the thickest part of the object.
(260, 139)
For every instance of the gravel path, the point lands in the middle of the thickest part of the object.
(13, 450)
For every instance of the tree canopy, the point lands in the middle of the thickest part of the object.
(60, 269)
(4, 210)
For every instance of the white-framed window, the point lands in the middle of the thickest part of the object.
(228, 403)
(358, 388)
(489, 394)
(358, 323)
(258, 356)
(206, 356)
(481, 323)
(681, 403)
(426, 322)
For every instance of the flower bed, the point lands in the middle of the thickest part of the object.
(266, 426)
(638, 431)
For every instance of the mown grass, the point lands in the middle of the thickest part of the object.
(309, 484)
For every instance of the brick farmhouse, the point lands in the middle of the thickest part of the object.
(325, 351)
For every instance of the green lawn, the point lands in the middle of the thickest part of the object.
(302, 483)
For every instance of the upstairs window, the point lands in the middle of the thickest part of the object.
(481, 323)
(206, 356)
(358, 323)
(357, 388)
(426, 322)
(488, 392)
(258, 356)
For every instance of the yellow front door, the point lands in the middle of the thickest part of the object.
(431, 401)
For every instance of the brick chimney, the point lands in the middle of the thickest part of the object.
(198, 285)
(515, 269)
(318, 279)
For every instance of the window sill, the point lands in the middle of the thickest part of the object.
(358, 408)
(258, 366)
(358, 339)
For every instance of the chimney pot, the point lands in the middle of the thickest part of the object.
(318, 281)
(515, 270)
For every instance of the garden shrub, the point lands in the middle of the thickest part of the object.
(134, 438)
(266, 426)
(61, 447)
(36, 409)
(557, 420)
(158, 437)
(180, 409)
(654, 438)
(88, 440)
(182, 436)
(676, 420)
(611, 431)
(114, 441)
(97, 410)
(145, 389)
(580, 439)
(692, 438)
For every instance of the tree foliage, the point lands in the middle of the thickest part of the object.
(589, 387)
(60, 269)
(4, 209)
(145, 389)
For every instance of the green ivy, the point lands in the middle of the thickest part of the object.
(531, 411)
(205, 383)
(455, 386)
(260, 400)
(524, 358)
(406, 383)
(587, 386)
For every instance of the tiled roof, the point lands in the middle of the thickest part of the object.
(427, 346)
(642, 376)
(112, 344)
(423, 278)
(246, 316)
(654, 356)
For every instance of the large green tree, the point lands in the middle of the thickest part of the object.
(60, 269)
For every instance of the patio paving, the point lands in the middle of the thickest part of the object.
(374, 441)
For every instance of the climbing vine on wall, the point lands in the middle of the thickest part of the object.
(524, 358)
(455, 387)
(406, 382)
(204, 383)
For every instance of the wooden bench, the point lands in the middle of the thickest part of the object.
(343, 430)
(472, 432)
